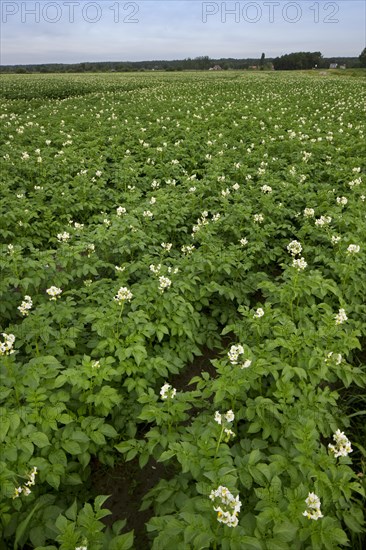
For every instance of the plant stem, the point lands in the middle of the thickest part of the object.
(219, 441)
(119, 321)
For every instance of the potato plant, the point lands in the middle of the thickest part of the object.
(146, 218)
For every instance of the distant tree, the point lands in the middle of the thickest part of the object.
(202, 62)
(297, 61)
(362, 58)
(261, 63)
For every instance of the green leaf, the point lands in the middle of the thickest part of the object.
(254, 457)
(108, 430)
(37, 536)
(79, 436)
(58, 457)
(24, 524)
(73, 479)
(124, 446)
(4, 427)
(98, 438)
(100, 500)
(251, 543)
(53, 479)
(285, 531)
(246, 479)
(354, 524)
(71, 447)
(203, 540)
(61, 523)
(277, 544)
(39, 439)
(166, 455)
(72, 511)
(122, 542)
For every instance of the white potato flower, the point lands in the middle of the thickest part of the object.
(167, 391)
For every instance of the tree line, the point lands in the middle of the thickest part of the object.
(292, 61)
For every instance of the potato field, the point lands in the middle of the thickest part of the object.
(182, 311)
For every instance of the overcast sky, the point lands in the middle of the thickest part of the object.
(71, 31)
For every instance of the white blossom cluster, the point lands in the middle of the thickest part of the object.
(336, 357)
(121, 210)
(90, 249)
(26, 306)
(353, 249)
(54, 292)
(123, 295)
(342, 445)
(342, 200)
(266, 189)
(258, 218)
(164, 283)
(259, 313)
(323, 220)
(243, 241)
(357, 181)
(200, 223)
(63, 237)
(335, 239)
(299, 263)
(233, 355)
(25, 488)
(294, 248)
(309, 212)
(167, 391)
(166, 246)
(187, 249)
(224, 420)
(6, 347)
(313, 507)
(155, 268)
(226, 505)
(340, 317)
(228, 417)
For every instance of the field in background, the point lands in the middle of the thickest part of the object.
(182, 311)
